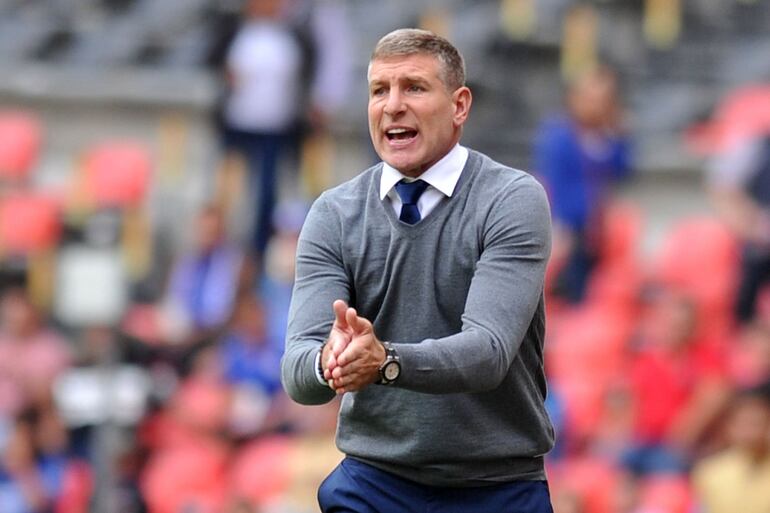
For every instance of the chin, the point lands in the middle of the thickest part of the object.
(406, 166)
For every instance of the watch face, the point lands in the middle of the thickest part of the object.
(391, 371)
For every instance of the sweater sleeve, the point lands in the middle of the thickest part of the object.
(320, 279)
(503, 299)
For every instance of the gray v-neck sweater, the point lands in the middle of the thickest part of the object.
(460, 296)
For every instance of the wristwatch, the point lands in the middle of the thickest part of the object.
(390, 369)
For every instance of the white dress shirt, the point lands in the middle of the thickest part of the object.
(442, 178)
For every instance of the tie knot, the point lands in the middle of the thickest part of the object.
(410, 192)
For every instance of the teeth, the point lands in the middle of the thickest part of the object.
(395, 131)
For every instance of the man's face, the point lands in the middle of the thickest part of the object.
(413, 119)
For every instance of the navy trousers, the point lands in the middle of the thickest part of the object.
(355, 487)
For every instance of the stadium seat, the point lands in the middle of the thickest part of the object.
(743, 113)
(117, 174)
(592, 479)
(666, 493)
(623, 225)
(29, 223)
(187, 478)
(699, 256)
(202, 404)
(20, 141)
(588, 342)
(261, 471)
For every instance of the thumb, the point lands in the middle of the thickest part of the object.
(357, 324)
(340, 321)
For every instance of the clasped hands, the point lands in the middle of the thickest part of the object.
(352, 356)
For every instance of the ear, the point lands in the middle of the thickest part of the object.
(461, 99)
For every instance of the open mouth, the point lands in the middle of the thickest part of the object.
(400, 134)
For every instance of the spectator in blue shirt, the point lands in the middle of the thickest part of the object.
(579, 154)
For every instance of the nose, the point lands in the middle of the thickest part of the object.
(395, 103)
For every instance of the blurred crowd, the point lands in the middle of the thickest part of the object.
(659, 367)
(133, 383)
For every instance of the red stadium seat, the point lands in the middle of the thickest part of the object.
(186, 478)
(20, 141)
(592, 479)
(117, 174)
(622, 232)
(666, 493)
(742, 114)
(589, 342)
(202, 404)
(584, 356)
(28, 223)
(699, 256)
(261, 471)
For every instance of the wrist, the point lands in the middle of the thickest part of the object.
(318, 365)
(390, 367)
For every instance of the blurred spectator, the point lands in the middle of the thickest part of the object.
(21, 484)
(266, 69)
(278, 280)
(739, 179)
(247, 355)
(251, 365)
(204, 281)
(579, 155)
(736, 479)
(37, 475)
(32, 355)
(678, 383)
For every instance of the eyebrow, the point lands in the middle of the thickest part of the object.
(407, 79)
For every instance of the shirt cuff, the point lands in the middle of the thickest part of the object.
(317, 368)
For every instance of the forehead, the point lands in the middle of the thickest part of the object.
(416, 65)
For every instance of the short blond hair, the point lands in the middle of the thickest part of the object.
(410, 41)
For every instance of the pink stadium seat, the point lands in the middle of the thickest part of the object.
(584, 355)
(588, 342)
(742, 114)
(666, 493)
(117, 174)
(28, 223)
(202, 404)
(622, 232)
(186, 478)
(699, 256)
(592, 479)
(261, 471)
(20, 141)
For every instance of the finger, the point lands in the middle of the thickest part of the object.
(332, 362)
(353, 351)
(339, 341)
(339, 306)
(351, 318)
(357, 323)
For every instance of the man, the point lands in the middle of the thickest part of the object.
(419, 297)
(580, 155)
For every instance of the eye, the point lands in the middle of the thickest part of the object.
(414, 88)
(377, 91)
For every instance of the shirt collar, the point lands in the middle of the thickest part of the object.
(443, 175)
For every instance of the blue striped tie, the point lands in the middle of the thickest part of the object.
(410, 192)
